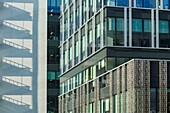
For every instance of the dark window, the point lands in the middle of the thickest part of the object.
(154, 72)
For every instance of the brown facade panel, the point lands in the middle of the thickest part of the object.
(163, 86)
(132, 90)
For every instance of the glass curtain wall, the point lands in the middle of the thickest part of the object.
(116, 2)
(97, 32)
(91, 8)
(65, 57)
(66, 26)
(141, 28)
(83, 11)
(90, 39)
(54, 6)
(83, 43)
(71, 20)
(77, 24)
(164, 29)
(115, 31)
(76, 49)
(70, 52)
(98, 4)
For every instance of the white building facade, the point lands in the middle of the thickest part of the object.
(23, 63)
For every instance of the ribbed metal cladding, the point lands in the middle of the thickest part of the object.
(96, 95)
(73, 101)
(66, 102)
(139, 85)
(163, 86)
(118, 90)
(146, 80)
(87, 97)
(123, 90)
(62, 111)
(111, 91)
(83, 99)
(78, 100)
(130, 87)
(59, 104)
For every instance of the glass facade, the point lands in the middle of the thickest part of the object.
(54, 6)
(91, 25)
(91, 73)
(112, 27)
(53, 34)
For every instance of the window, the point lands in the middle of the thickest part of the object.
(104, 106)
(97, 32)
(76, 49)
(77, 14)
(52, 75)
(163, 26)
(83, 11)
(90, 39)
(115, 31)
(71, 20)
(166, 4)
(147, 25)
(70, 53)
(137, 25)
(83, 43)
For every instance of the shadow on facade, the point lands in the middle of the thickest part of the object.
(17, 77)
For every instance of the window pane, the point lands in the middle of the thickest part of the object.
(120, 24)
(137, 25)
(147, 26)
(163, 26)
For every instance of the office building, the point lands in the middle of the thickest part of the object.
(23, 56)
(98, 36)
(137, 86)
(53, 58)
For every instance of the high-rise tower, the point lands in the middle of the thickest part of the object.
(53, 72)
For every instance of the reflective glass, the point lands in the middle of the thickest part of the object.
(120, 24)
(139, 3)
(163, 26)
(147, 26)
(137, 25)
(149, 3)
(166, 4)
(122, 2)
